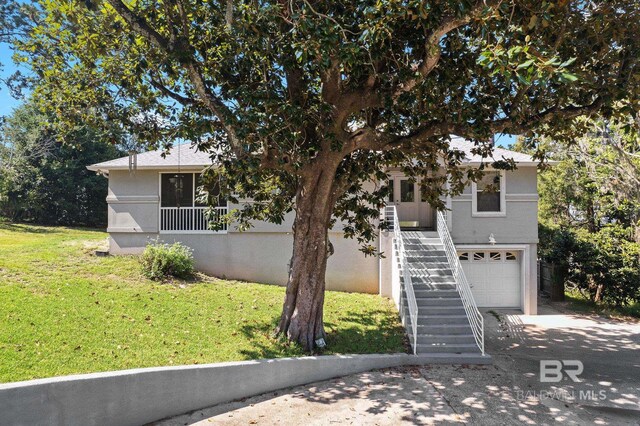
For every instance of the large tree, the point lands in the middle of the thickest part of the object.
(45, 181)
(302, 102)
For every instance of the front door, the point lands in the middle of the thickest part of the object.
(406, 197)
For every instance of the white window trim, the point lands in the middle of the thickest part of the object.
(503, 198)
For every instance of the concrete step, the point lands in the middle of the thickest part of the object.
(431, 257)
(423, 292)
(421, 269)
(438, 279)
(413, 249)
(416, 246)
(429, 262)
(429, 307)
(438, 301)
(448, 348)
(434, 279)
(437, 310)
(447, 329)
(440, 319)
(441, 310)
(432, 286)
(467, 339)
(425, 241)
(453, 358)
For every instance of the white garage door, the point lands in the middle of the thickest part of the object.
(494, 276)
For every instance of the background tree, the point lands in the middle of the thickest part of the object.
(590, 210)
(302, 102)
(45, 181)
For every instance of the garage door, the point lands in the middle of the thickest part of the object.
(494, 276)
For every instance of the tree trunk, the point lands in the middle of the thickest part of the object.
(301, 318)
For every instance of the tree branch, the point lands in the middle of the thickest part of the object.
(184, 100)
(369, 138)
(181, 50)
(432, 46)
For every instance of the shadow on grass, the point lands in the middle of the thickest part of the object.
(370, 332)
(23, 227)
(34, 228)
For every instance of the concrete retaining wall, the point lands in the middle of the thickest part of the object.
(136, 397)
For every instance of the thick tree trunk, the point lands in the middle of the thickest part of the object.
(301, 318)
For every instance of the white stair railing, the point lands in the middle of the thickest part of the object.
(464, 289)
(390, 217)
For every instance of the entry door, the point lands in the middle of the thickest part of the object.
(407, 199)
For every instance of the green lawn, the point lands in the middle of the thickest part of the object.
(64, 310)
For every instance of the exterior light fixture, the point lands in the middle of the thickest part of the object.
(492, 239)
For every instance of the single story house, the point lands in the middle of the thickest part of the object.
(495, 232)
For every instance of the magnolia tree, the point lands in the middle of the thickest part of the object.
(301, 103)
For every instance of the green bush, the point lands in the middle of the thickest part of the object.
(160, 260)
(604, 265)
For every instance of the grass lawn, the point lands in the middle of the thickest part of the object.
(577, 302)
(64, 310)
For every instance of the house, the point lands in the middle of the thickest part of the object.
(493, 233)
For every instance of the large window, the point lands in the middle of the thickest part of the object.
(488, 195)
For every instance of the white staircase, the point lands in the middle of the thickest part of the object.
(435, 300)
(443, 326)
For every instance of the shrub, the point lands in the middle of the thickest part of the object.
(604, 265)
(160, 260)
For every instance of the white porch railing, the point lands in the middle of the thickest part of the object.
(189, 219)
(391, 219)
(464, 289)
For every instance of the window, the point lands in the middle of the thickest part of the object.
(407, 194)
(488, 195)
(478, 256)
(391, 189)
(511, 256)
(212, 192)
(176, 190)
(495, 256)
(463, 256)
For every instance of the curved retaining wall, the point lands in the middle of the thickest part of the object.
(136, 397)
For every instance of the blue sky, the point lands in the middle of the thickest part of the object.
(8, 103)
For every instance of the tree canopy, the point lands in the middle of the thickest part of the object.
(301, 102)
(45, 181)
(590, 210)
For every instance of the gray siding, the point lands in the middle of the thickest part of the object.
(520, 225)
(260, 254)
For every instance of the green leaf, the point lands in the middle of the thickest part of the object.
(526, 64)
(567, 76)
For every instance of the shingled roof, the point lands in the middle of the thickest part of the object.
(187, 156)
(499, 153)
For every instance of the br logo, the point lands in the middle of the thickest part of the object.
(551, 370)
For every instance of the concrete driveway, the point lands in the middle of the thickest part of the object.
(510, 391)
(507, 392)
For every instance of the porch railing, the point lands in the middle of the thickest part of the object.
(190, 219)
(464, 289)
(390, 217)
